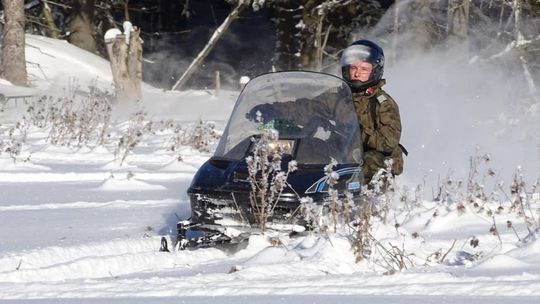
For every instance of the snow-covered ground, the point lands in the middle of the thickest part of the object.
(78, 227)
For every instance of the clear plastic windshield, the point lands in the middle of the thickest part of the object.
(314, 110)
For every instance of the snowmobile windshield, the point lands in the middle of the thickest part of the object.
(314, 111)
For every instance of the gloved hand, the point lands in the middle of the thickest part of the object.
(368, 137)
(267, 111)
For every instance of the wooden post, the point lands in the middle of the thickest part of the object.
(126, 65)
(218, 83)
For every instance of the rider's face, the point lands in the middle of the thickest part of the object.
(360, 70)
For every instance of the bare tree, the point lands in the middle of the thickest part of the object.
(327, 27)
(287, 45)
(13, 66)
(82, 32)
(517, 7)
(458, 23)
(49, 20)
(241, 4)
(395, 37)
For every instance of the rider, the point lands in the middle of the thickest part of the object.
(362, 65)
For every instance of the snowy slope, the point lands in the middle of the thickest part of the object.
(78, 227)
(51, 62)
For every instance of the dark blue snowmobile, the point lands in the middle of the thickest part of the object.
(315, 118)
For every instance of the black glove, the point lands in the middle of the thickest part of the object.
(268, 112)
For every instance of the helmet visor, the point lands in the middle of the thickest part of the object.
(355, 53)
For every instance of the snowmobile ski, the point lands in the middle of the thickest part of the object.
(190, 236)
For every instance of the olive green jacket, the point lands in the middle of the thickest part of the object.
(382, 134)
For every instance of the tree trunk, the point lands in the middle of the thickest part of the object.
(81, 27)
(517, 20)
(126, 65)
(458, 24)
(287, 45)
(326, 27)
(320, 42)
(13, 66)
(395, 37)
(126, 10)
(419, 21)
(49, 20)
(210, 45)
(308, 53)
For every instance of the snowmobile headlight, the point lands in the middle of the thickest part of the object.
(284, 146)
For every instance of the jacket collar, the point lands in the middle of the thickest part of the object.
(372, 90)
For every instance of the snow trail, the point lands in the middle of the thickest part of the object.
(102, 260)
(82, 205)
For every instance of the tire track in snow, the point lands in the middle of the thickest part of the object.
(102, 260)
(285, 284)
(47, 177)
(81, 205)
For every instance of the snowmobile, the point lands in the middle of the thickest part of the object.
(315, 119)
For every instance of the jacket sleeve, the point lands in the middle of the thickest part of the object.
(388, 133)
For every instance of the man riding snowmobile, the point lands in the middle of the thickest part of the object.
(318, 121)
(362, 66)
(316, 125)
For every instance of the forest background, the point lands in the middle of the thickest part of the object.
(272, 35)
